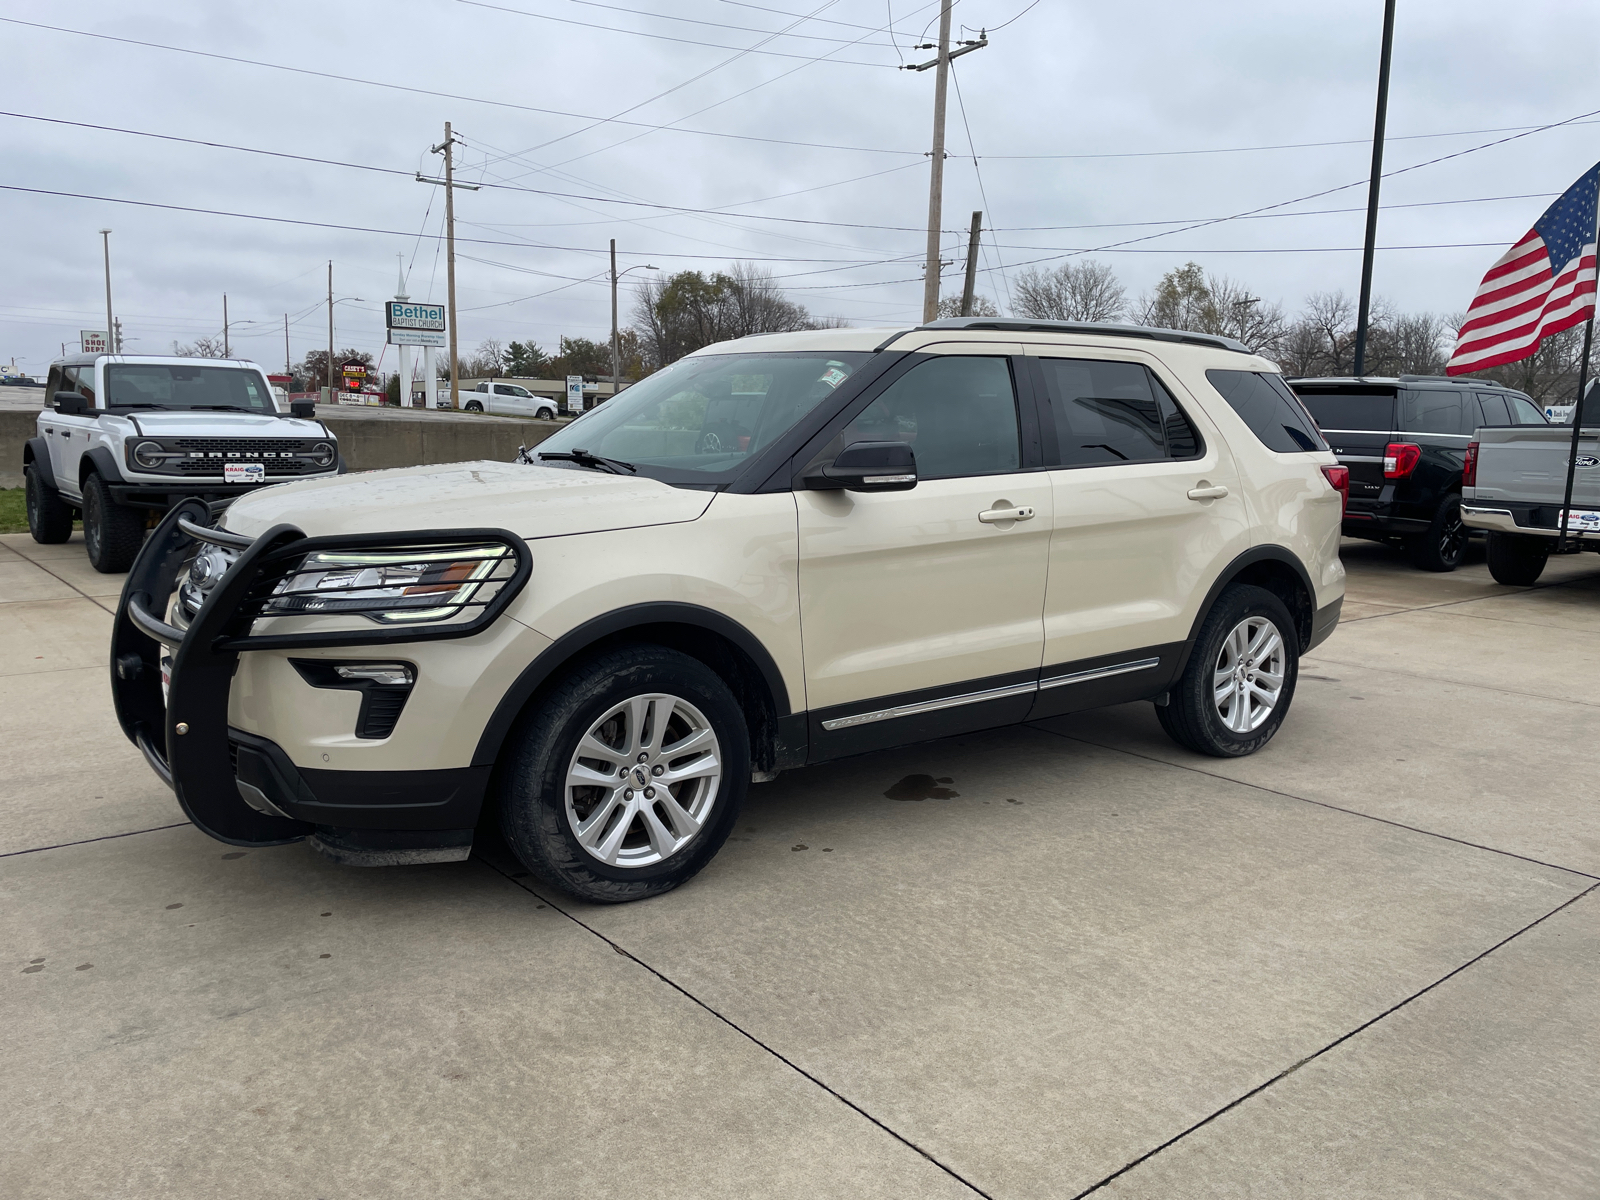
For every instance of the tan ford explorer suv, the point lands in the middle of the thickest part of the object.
(775, 552)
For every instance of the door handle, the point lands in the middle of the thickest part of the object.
(1208, 493)
(993, 516)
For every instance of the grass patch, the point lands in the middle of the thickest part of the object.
(13, 511)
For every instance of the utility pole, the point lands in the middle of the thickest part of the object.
(930, 283)
(1364, 309)
(227, 350)
(329, 372)
(972, 264)
(616, 345)
(111, 345)
(447, 146)
(288, 364)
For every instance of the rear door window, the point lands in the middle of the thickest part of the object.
(1432, 410)
(1114, 412)
(1265, 403)
(1351, 412)
(1524, 412)
(1494, 408)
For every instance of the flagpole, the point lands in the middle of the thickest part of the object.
(1577, 432)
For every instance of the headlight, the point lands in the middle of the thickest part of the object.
(392, 586)
(149, 455)
(323, 454)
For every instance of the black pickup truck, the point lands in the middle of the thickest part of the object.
(1405, 442)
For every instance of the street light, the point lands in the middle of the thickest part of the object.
(616, 345)
(332, 395)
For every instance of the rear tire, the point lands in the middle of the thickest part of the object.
(1517, 560)
(472, 406)
(49, 516)
(1442, 547)
(602, 795)
(1239, 682)
(112, 532)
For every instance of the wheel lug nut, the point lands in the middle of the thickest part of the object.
(627, 793)
(644, 758)
(657, 769)
(649, 793)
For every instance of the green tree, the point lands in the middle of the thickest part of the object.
(526, 361)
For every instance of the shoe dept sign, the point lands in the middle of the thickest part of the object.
(414, 324)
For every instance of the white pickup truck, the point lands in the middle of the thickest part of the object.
(1514, 484)
(509, 399)
(123, 438)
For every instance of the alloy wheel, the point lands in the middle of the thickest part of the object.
(643, 780)
(1248, 677)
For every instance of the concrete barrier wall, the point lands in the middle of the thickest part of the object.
(373, 439)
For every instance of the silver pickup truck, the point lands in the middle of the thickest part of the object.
(1513, 486)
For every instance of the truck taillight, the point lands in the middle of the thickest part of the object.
(1339, 480)
(1400, 459)
(1469, 469)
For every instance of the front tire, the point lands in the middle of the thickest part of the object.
(628, 776)
(1240, 679)
(1442, 547)
(49, 517)
(112, 532)
(1517, 560)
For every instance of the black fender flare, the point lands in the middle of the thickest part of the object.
(1230, 573)
(575, 641)
(36, 453)
(100, 461)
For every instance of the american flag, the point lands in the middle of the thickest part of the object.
(1542, 285)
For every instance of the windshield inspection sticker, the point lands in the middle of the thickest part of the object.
(257, 473)
(833, 377)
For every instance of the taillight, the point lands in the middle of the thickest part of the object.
(1400, 459)
(1469, 469)
(1339, 480)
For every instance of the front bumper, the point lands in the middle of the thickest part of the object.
(243, 789)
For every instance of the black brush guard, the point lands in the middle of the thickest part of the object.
(185, 738)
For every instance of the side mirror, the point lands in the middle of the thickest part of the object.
(869, 467)
(303, 408)
(71, 404)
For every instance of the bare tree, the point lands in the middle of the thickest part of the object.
(488, 359)
(201, 347)
(982, 306)
(1074, 291)
(683, 312)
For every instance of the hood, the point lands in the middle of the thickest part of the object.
(172, 423)
(534, 502)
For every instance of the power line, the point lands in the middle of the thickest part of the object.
(416, 91)
(663, 37)
(961, 104)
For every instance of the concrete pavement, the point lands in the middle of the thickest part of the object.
(1362, 962)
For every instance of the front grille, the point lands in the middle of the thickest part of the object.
(192, 457)
(253, 445)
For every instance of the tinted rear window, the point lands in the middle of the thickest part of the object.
(1435, 410)
(1272, 411)
(1351, 410)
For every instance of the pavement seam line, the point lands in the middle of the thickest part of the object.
(63, 579)
(1487, 687)
(87, 841)
(791, 1064)
(1353, 812)
(1338, 1041)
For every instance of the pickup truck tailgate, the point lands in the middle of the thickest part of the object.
(1523, 470)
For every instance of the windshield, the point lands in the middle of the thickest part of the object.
(155, 385)
(700, 419)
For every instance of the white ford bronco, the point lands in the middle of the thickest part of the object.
(125, 437)
(777, 551)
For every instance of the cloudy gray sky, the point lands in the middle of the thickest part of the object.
(1092, 124)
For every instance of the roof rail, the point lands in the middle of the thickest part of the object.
(1103, 328)
(1447, 379)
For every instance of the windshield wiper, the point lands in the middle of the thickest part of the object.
(584, 459)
